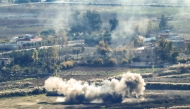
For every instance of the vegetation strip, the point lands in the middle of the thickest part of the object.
(22, 92)
(167, 86)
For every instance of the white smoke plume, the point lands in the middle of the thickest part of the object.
(112, 90)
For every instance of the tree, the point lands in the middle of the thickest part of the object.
(107, 37)
(112, 61)
(77, 23)
(138, 42)
(103, 48)
(93, 19)
(174, 54)
(98, 61)
(50, 57)
(187, 50)
(35, 55)
(137, 30)
(151, 27)
(46, 33)
(87, 22)
(15, 69)
(76, 51)
(113, 23)
(166, 52)
(52, 54)
(163, 23)
(163, 50)
(22, 58)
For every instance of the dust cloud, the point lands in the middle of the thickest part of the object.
(111, 90)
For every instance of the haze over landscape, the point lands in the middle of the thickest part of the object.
(128, 54)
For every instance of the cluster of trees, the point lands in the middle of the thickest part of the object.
(152, 27)
(163, 24)
(89, 26)
(107, 56)
(166, 51)
(87, 22)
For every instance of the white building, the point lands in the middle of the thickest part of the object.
(76, 43)
(5, 61)
(147, 41)
(20, 42)
(27, 39)
(145, 56)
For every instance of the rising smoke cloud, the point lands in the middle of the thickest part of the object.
(112, 90)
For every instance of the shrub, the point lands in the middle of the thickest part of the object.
(124, 61)
(112, 61)
(98, 61)
(84, 62)
(67, 64)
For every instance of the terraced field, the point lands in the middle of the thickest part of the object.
(165, 92)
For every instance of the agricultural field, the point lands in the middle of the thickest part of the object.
(162, 90)
(164, 99)
(33, 18)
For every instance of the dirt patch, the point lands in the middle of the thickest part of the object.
(26, 104)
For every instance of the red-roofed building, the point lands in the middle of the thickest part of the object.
(187, 41)
(27, 39)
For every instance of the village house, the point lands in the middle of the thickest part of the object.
(177, 41)
(27, 39)
(145, 56)
(187, 41)
(17, 42)
(147, 41)
(5, 61)
(76, 43)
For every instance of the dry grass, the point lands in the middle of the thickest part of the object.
(177, 66)
(153, 98)
(27, 102)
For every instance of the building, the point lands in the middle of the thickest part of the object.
(166, 34)
(187, 41)
(177, 41)
(27, 39)
(147, 41)
(5, 61)
(17, 42)
(76, 43)
(145, 56)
